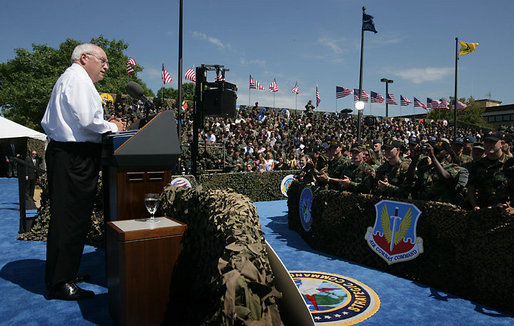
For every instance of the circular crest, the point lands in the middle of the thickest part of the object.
(286, 183)
(305, 208)
(181, 182)
(335, 299)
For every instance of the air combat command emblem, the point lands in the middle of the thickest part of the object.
(394, 235)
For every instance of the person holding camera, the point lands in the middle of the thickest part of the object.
(436, 175)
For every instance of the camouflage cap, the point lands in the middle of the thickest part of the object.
(358, 148)
(392, 144)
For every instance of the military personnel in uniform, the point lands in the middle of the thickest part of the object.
(436, 176)
(458, 148)
(377, 148)
(390, 177)
(358, 176)
(337, 162)
(489, 186)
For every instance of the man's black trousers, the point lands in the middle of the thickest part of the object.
(72, 180)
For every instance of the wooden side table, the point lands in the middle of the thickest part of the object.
(140, 260)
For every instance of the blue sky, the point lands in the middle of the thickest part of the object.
(309, 42)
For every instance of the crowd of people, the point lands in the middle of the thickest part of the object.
(405, 158)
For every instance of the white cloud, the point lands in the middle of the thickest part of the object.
(421, 75)
(209, 39)
(332, 44)
(258, 62)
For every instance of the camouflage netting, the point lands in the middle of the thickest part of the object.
(39, 229)
(257, 186)
(224, 267)
(465, 253)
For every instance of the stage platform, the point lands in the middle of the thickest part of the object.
(22, 279)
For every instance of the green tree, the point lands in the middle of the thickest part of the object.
(26, 81)
(188, 92)
(471, 115)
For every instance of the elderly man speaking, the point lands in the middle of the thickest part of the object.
(74, 123)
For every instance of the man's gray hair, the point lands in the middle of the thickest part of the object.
(82, 48)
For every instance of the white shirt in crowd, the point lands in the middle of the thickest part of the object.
(74, 112)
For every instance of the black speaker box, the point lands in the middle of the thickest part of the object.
(219, 102)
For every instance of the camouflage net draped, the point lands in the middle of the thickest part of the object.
(223, 268)
(465, 253)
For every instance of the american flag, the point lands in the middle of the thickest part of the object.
(295, 89)
(435, 104)
(376, 98)
(166, 78)
(444, 104)
(419, 104)
(390, 99)
(191, 74)
(255, 84)
(131, 62)
(273, 87)
(364, 96)
(220, 77)
(461, 106)
(342, 92)
(404, 101)
(318, 99)
(429, 103)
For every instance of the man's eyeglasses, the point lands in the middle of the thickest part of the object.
(102, 60)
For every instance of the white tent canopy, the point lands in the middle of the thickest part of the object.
(11, 129)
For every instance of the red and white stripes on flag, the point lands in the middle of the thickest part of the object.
(404, 101)
(254, 84)
(273, 87)
(390, 99)
(295, 89)
(461, 106)
(419, 104)
(191, 74)
(364, 95)
(131, 62)
(318, 98)
(166, 78)
(220, 77)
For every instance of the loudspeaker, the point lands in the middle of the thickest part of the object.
(219, 101)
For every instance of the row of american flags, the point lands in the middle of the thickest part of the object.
(341, 92)
(390, 99)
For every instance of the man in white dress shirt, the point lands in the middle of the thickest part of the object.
(74, 122)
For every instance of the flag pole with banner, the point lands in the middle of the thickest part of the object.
(465, 48)
(367, 25)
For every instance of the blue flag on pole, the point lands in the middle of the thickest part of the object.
(367, 23)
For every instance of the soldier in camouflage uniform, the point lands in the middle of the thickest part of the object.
(390, 177)
(377, 148)
(358, 176)
(436, 176)
(489, 185)
(458, 148)
(335, 166)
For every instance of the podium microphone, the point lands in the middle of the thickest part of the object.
(136, 91)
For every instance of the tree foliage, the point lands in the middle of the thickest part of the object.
(26, 81)
(188, 92)
(471, 115)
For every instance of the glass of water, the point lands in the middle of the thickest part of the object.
(151, 204)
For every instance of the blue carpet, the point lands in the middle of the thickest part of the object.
(403, 302)
(22, 300)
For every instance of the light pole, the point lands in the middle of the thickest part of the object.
(387, 81)
(359, 105)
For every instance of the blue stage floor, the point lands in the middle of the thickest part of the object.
(22, 288)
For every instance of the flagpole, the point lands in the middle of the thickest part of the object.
(359, 112)
(179, 104)
(455, 94)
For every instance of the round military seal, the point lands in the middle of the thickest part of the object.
(181, 182)
(286, 182)
(335, 299)
(305, 208)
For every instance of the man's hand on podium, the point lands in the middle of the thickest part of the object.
(122, 125)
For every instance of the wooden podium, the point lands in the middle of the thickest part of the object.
(136, 162)
(140, 260)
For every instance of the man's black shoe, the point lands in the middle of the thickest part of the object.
(82, 278)
(69, 291)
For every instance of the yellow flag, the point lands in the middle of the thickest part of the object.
(466, 48)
